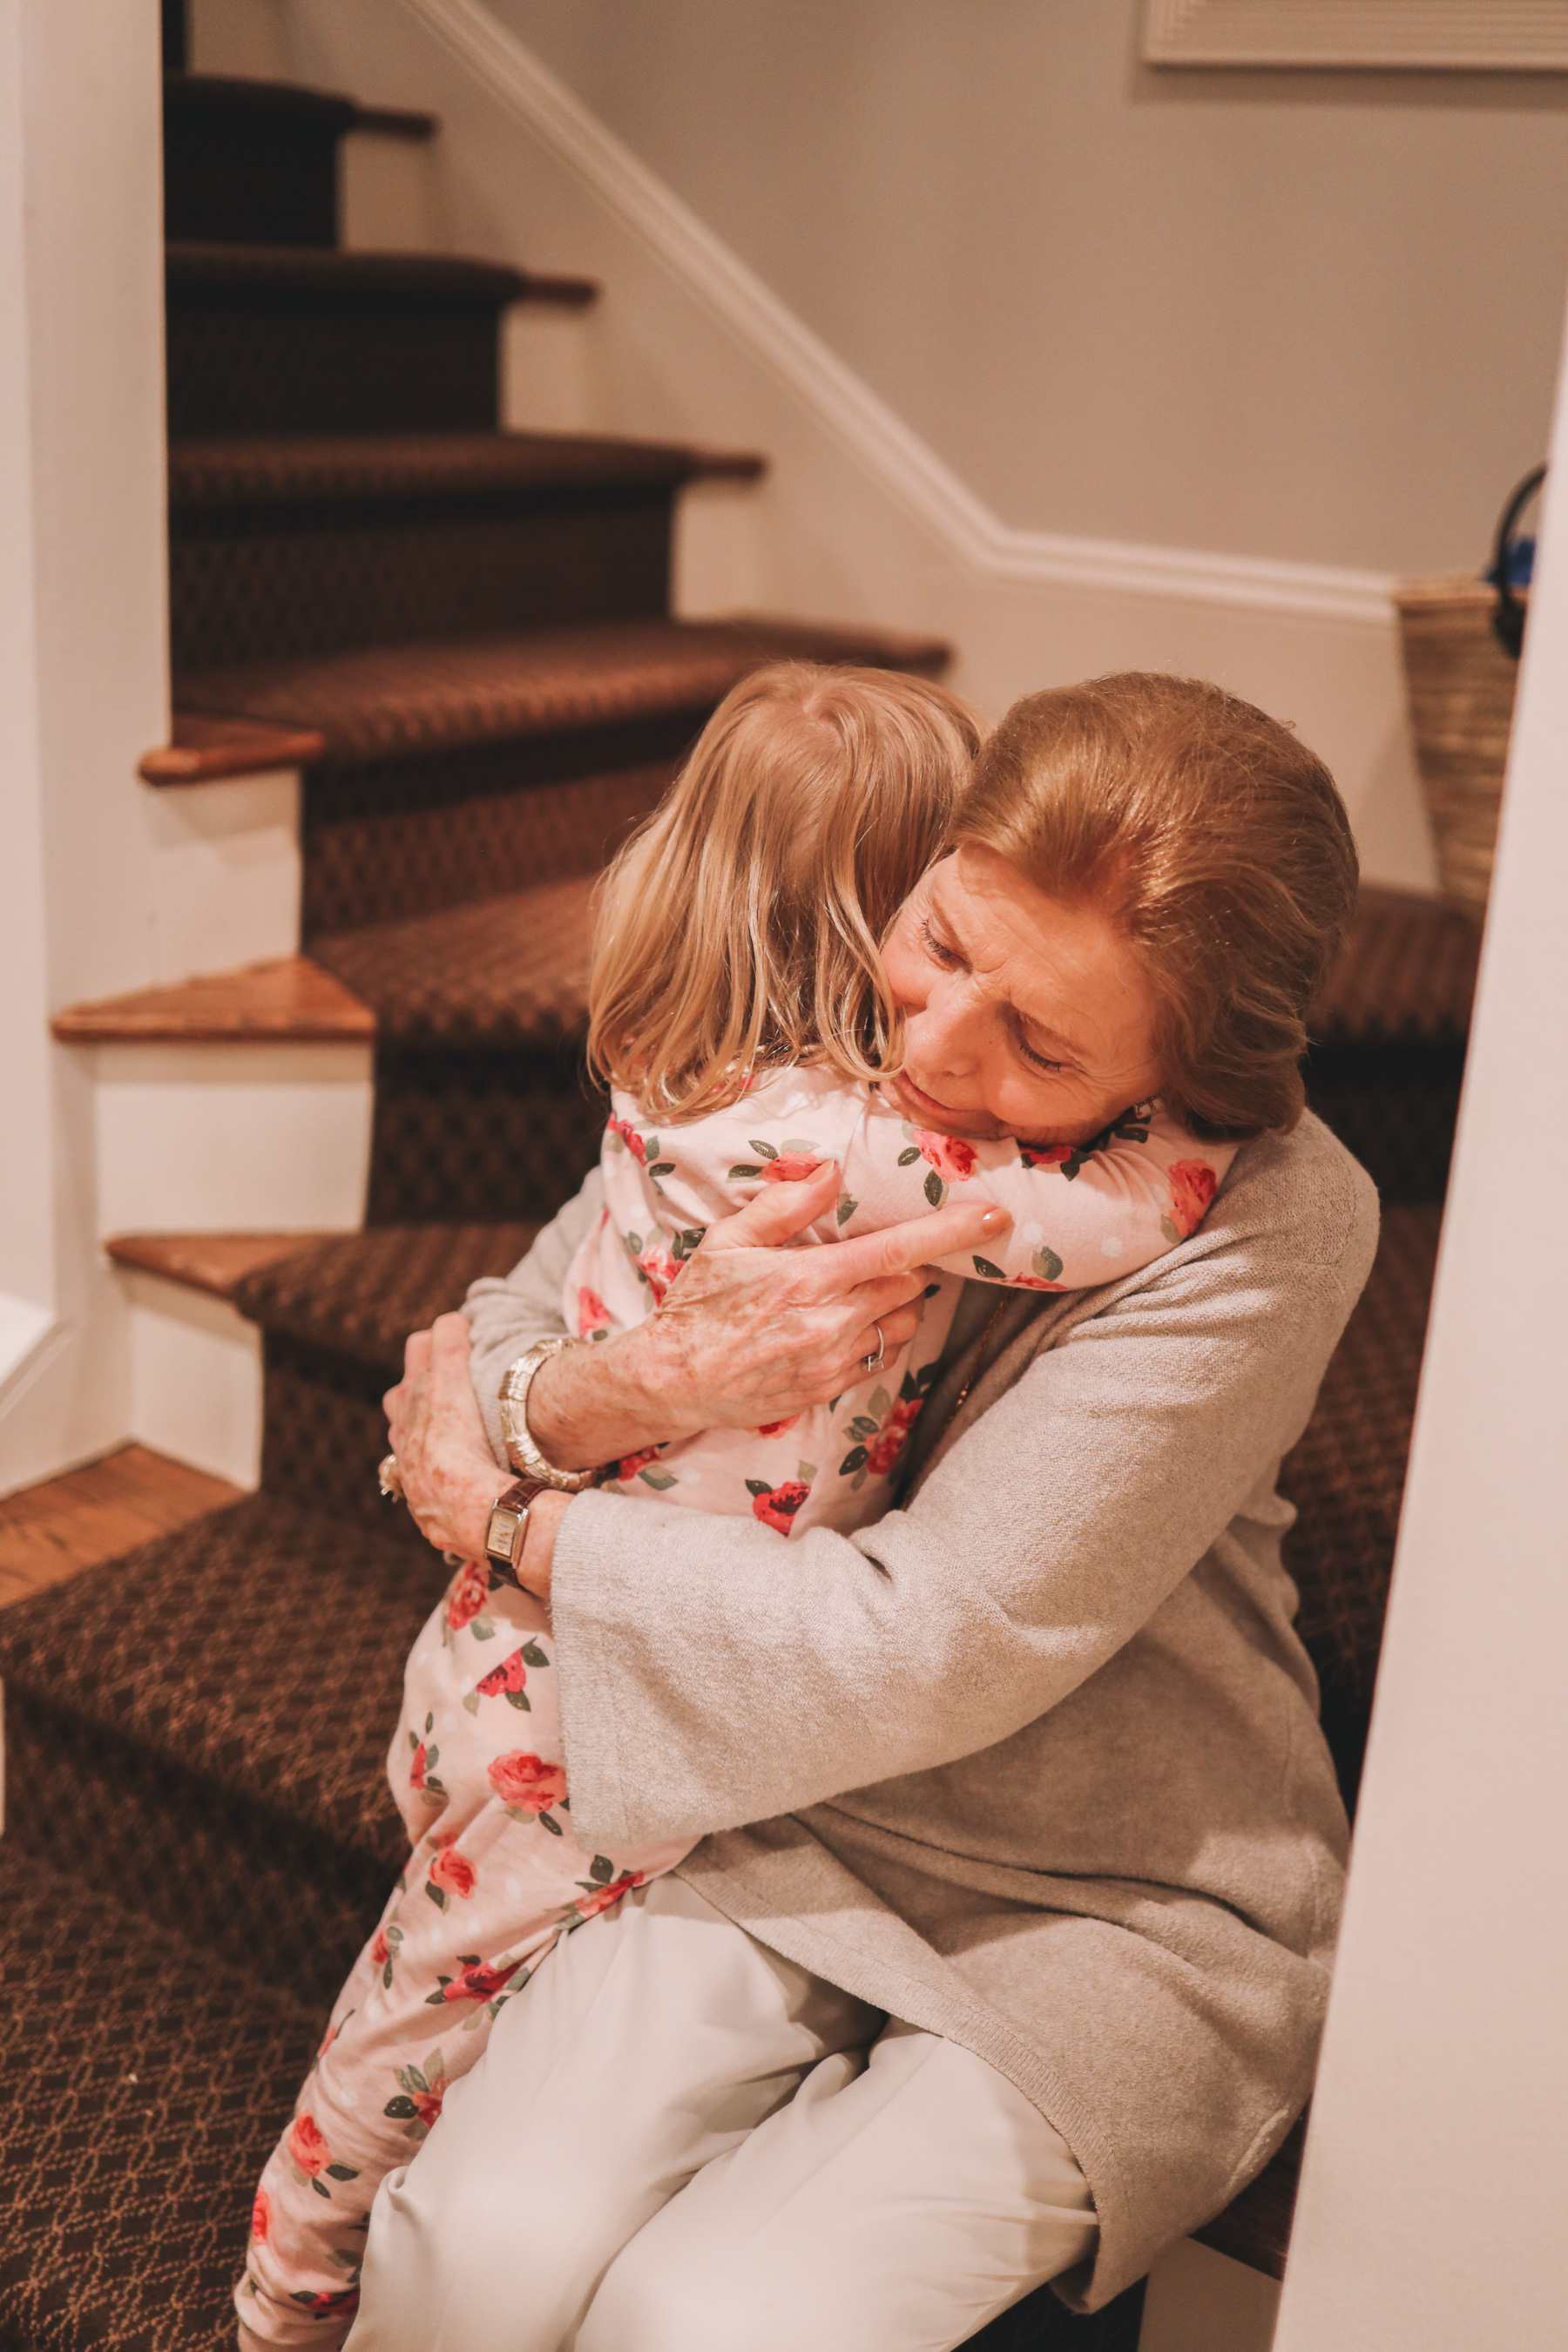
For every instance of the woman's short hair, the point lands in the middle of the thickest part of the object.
(739, 931)
(1215, 840)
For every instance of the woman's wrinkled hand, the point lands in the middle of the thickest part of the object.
(446, 1470)
(754, 1331)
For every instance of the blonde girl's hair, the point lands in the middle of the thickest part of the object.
(738, 932)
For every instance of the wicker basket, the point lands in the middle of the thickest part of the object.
(1461, 684)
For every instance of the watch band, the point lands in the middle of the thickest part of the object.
(522, 1451)
(508, 1526)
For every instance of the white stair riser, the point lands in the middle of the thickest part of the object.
(195, 1378)
(224, 873)
(719, 560)
(391, 196)
(231, 1138)
(548, 367)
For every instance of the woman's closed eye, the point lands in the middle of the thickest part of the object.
(940, 951)
(1036, 1061)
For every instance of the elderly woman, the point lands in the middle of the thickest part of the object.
(1005, 1952)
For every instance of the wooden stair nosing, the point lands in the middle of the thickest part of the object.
(201, 277)
(214, 1263)
(286, 1000)
(729, 465)
(395, 121)
(501, 972)
(81, 1518)
(204, 749)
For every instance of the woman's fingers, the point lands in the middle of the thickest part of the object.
(899, 1249)
(778, 1212)
(884, 1335)
(449, 1345)
(415, 1354)
(874, 1302)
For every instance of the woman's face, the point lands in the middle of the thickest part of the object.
(1023, 1016)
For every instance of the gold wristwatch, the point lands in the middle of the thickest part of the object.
(508, 1527)
(521, 1451)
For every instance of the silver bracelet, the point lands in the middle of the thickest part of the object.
(521, 1451)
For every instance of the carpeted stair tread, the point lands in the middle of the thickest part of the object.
(146, 2085)
(386, 700)
(360, 1294)
(260, 1649)
(257, 470)
(231, 98)
(228, 97)
(251, 163)
(298, 278)
(1346, 1476)
(503, 973)
(1407, 974)
(284, 548)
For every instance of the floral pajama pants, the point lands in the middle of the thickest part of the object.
(495, 1877)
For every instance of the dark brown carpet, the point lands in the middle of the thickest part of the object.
(145, 2083)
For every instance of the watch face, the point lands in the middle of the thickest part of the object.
(502, 1536)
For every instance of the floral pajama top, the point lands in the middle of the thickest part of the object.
(1082, 1214)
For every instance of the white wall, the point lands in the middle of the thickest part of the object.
(83, 688)
(1300, 315)
(1436, 2183)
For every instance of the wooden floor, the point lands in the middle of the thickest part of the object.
(54, 1530)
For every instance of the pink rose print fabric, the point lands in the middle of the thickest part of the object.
(494, 1876)
(1083, 1214)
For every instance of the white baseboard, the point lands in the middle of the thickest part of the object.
(195, 1378)
(68, 1401)
(244, 1138)
(1198, 2301)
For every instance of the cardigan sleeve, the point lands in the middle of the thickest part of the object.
(714, 1673)
(506, 1313)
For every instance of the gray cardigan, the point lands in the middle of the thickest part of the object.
(1034, 1762)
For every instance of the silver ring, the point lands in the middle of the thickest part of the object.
(389, 1479)
(874, 1363)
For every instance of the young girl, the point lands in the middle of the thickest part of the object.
(740, 1009)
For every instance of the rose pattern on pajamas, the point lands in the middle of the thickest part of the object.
(487, 1892)
(528, 1787)
(1193, 1188)
(776, 1163)
(776, 1506)
(593, 1315)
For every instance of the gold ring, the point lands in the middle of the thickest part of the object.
(874, 1363)
(389, 1479)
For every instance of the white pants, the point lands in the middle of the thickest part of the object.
(679, 2142)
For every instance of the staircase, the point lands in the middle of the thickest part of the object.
(461, 638)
